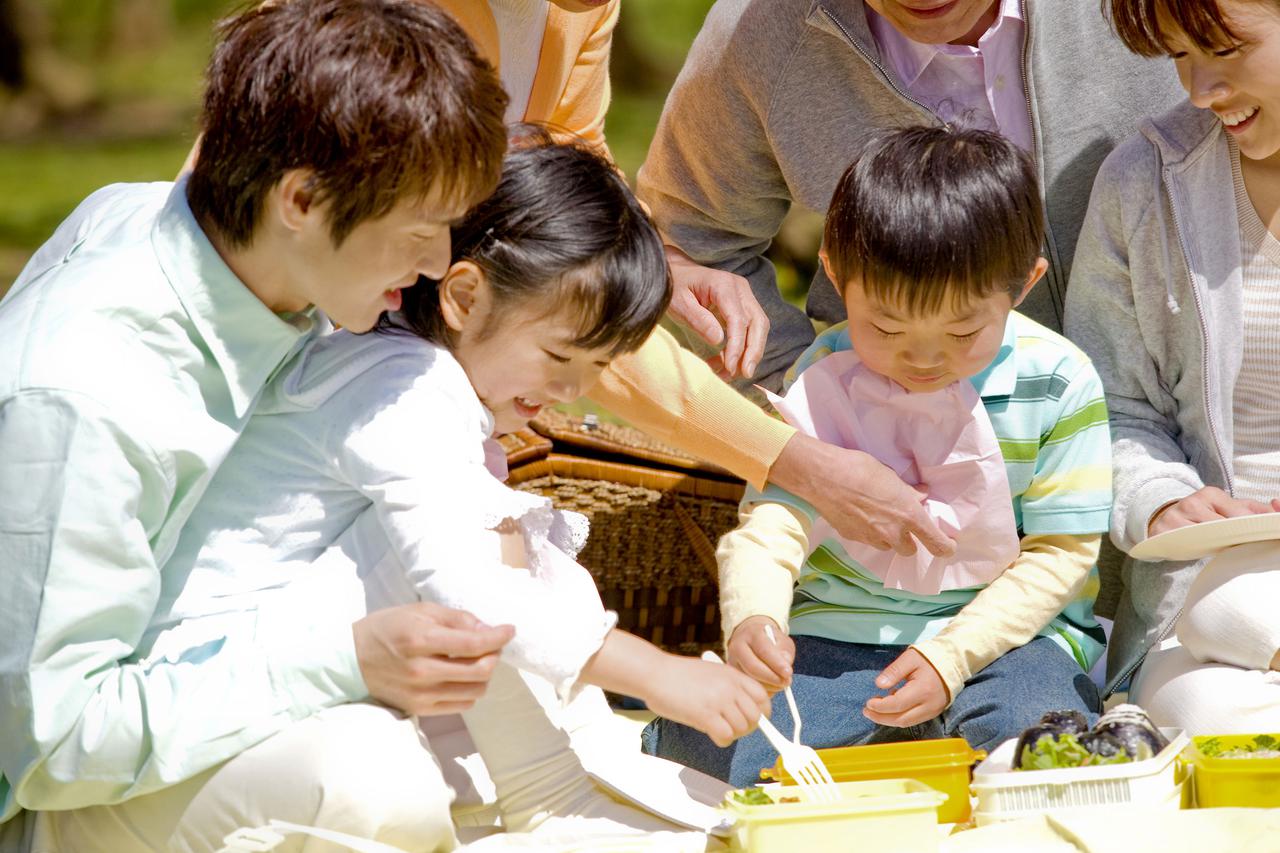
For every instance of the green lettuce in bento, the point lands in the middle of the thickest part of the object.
(1062, 739)
(1050, 752)
(1263, 746)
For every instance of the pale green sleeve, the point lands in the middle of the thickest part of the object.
(84, 721)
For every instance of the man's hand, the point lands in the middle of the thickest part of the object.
(1208, 504)
(426, 659)
(715, 699)
(858, 496)
(921, 698)
(765, 660)
(720, 307)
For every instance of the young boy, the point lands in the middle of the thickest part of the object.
(340, 140)
(934, 236)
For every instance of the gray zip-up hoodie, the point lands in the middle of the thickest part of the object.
(775, 94)
(1155, 300)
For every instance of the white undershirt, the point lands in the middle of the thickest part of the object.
(1256, 403)
(521, 26)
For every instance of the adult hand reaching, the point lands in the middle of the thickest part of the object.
(1207, 504)
(720, 307)
(861, 498)
(426, 659)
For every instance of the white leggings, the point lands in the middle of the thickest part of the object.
(1214, 677)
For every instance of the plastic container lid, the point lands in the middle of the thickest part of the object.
(941, 763)
(882, 815)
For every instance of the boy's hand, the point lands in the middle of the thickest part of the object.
(710, 697)
(751, 651)
(1207, 504)
(921, 698)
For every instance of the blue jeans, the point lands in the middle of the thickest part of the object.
(833, 680)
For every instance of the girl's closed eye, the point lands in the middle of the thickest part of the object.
(558, 359)
(883, 333)
(966, 337)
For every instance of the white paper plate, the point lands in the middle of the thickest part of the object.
(1208, 537)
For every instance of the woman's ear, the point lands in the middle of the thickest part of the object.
(464, 295)
(1037, 273)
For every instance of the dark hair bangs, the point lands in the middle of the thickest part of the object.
(623, 296)
(1141, 24)
(563, 231)
(930, 215)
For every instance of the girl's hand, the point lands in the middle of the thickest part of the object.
(921, 698)
(710, 697)
(1208, 504)
(751, 651)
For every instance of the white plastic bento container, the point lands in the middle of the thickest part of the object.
(1006, 794)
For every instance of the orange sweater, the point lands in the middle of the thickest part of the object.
(571, 86)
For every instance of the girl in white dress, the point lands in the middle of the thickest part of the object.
(383, 445)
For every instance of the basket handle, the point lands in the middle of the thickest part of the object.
(702, 547)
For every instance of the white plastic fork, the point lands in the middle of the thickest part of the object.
(802, 762)
(791, 699)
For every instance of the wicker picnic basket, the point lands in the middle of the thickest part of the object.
(656, 514)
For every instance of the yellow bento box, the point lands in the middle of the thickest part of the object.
(888, 816)
(1249, 782)
(941, 763)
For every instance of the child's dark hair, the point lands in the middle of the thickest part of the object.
(929, 214)
(563, 229)
(1138, 24)
(382, 99)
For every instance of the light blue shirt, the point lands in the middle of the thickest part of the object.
(131, 358)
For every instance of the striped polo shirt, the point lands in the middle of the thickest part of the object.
(1046, 406)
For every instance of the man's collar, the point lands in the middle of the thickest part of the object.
(912, 57)
(245, 338)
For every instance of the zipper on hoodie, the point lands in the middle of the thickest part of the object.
(1209, 411)
(1057, 288)
(878, 65)
(1214, 431)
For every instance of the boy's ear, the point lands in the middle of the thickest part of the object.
(1037, 273)
(294, 199)
(826, 268)
(462, 291)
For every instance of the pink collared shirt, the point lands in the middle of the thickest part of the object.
(979, 86)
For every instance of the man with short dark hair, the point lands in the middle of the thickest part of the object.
(341, 138)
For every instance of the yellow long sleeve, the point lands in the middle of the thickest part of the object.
(670, 393)
(1046, 577)
(759, 562)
